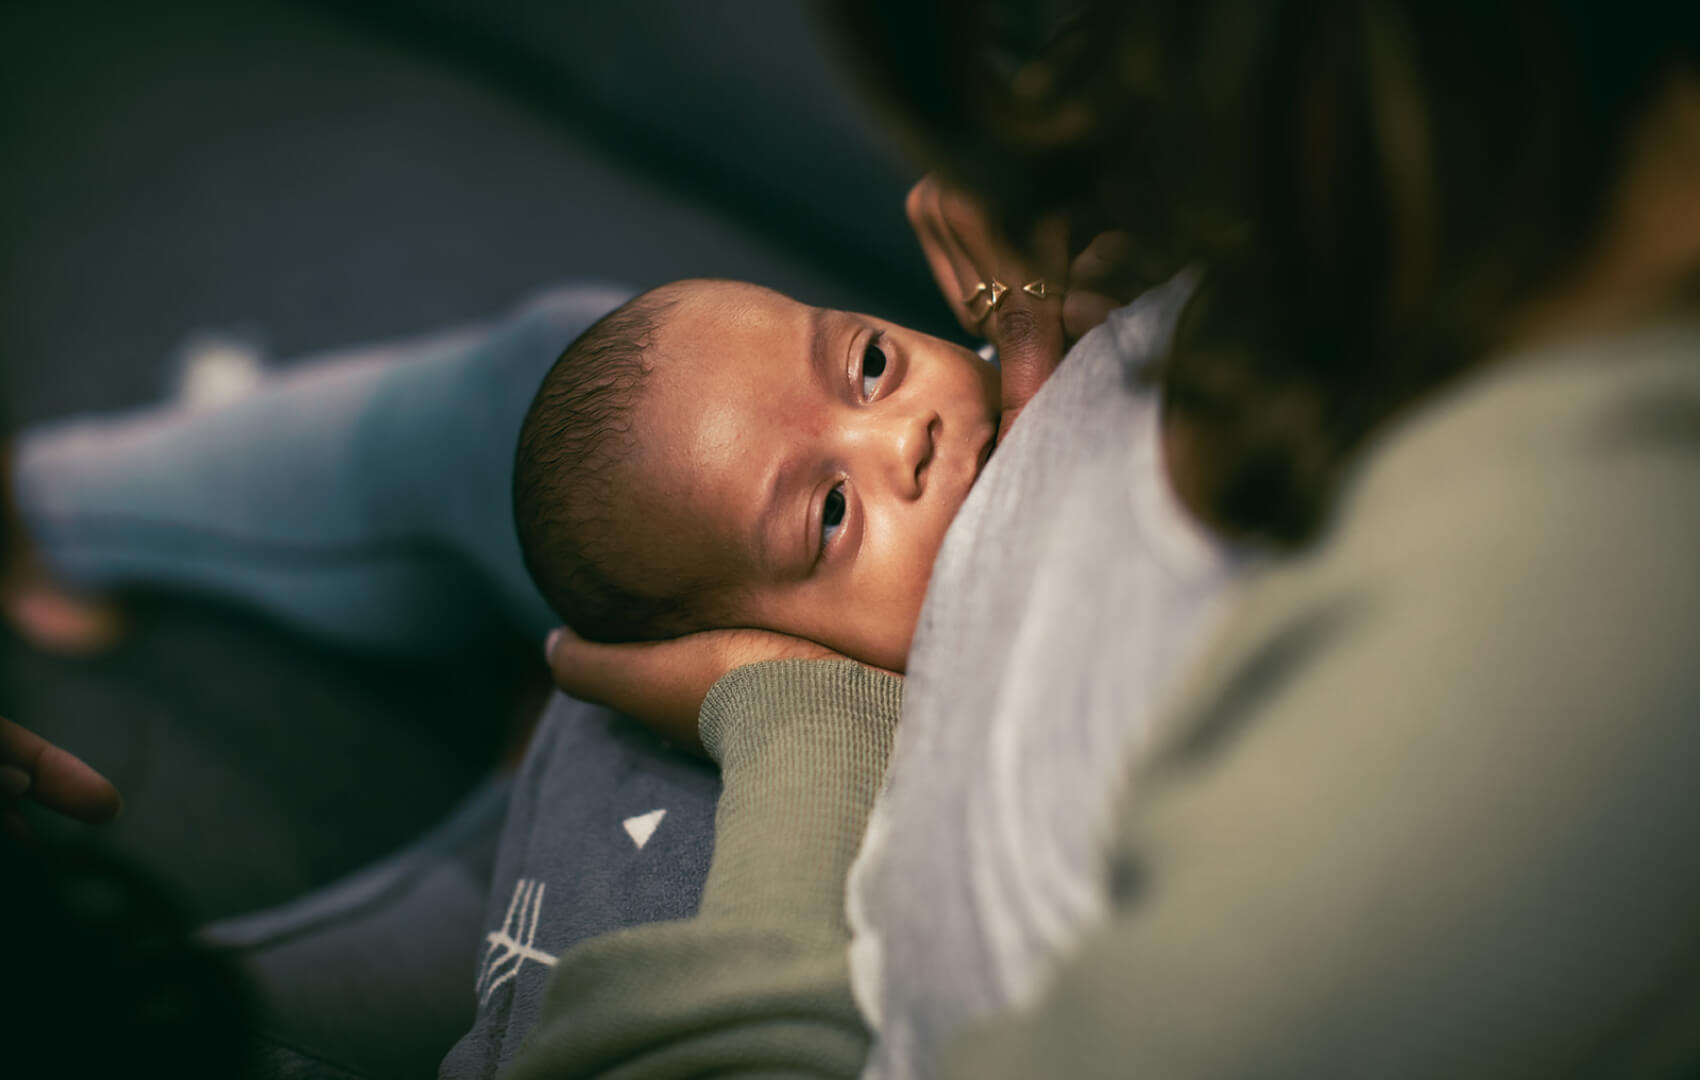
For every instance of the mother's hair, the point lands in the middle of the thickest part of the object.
(1378, 187)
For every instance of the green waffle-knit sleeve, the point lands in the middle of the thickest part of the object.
(758, 982)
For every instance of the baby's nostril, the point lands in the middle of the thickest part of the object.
(927, 450)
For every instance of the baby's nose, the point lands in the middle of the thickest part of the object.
(917, 442)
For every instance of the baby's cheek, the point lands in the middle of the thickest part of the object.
(905, 615)
(884, 627)
(888, 590)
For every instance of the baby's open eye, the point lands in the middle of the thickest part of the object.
(832, 515)
(873, 364)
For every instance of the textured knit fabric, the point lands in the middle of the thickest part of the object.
(1070, 591)
(1428, 806)
(759, 980)
(608, 827)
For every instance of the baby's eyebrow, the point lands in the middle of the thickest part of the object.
(781, 551)
(820, 341)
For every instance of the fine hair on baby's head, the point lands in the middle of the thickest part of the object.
(584, 517)
(715, 454)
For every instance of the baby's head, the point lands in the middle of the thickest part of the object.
(714, 454)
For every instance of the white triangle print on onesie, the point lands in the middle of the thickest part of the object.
(642, 827)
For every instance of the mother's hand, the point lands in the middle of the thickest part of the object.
(55, 778)
(663, 683)
(1031, 305)
(1012, 300)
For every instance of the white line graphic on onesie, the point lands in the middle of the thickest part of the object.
(512, 945)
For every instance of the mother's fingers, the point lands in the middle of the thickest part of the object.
(1108, 273)
(1027, 323)
(55, 778)
(1014, 298)
(960, 281)
(1084, 310)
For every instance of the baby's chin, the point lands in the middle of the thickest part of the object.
(895, 656)
(889, 654)
(896, 662)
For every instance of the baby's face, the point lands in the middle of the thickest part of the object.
(823, 454)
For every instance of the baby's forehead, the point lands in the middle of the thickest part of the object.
(731, 361)
(715, 324)
(728, 303)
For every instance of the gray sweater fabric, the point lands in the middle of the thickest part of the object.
(1066, 598)
(1426, 805)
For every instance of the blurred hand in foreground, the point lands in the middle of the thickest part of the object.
(31, 767)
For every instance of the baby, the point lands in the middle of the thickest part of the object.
(714, 454)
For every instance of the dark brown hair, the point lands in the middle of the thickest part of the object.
(1375, 187)
(585, 526)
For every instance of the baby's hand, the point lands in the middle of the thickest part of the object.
(663, 683)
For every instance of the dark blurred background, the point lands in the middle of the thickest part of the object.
(307, 175)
